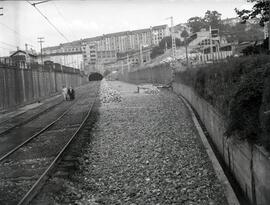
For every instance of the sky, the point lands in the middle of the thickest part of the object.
(77, 19)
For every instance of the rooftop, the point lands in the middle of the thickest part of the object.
(24, 52)
(160, 26)
(96, 38)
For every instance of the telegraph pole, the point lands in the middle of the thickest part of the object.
(128, 62)
(141, 54)
(40, 41)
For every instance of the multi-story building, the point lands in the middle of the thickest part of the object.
(68, 54)
(87, 54)
(158, 33)
(129, 60)
(94, 58)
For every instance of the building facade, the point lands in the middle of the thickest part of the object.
(90, 53)
(158, 33)
(67, 54)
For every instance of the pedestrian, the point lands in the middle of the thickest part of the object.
(72, 93)
(69, 94)
(64, 92)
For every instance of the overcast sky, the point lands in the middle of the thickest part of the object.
(76, 19)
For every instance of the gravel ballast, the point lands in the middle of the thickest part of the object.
(144, 149)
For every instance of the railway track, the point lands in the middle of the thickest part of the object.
(24, 170)
(21, 130)
(9, 124)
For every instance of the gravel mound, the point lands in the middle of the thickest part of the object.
(144, 150)
(108, 94)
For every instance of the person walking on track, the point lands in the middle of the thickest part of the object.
(65, 92)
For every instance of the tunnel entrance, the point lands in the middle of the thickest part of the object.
(95, 77)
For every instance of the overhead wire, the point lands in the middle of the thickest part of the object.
(67, 22)
(15, 32)
(49, 22)
(4, 48)
(8, 44)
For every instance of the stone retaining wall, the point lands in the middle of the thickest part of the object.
(250, 164)
(24, 86)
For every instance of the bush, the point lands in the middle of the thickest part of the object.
(156, 51)
(244, 108)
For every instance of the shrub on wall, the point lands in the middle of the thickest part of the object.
(244, 107)
(235, 88)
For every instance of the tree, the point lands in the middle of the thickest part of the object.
(185, 35)
(196, 23)
(212, 18)
(168, 40)
(242, 32)
(259, 10)
(156, 51)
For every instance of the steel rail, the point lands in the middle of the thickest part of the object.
(36, 134)
(28, 197)
(28, 120)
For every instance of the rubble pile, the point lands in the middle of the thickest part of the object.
(108, 94)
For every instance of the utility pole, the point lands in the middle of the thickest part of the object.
(128, 62)
(141, 55)
(40, 41)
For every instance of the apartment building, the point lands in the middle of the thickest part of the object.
(86, 54)
(68, 54)
(159, 32)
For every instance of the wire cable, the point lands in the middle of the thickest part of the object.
(15, 32)
(67, 22)
(50, 22)
(8, 44)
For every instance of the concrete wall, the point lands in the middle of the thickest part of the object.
(250, 164)
(24, 86)
(159, 75)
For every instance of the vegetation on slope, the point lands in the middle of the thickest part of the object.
(239, 89)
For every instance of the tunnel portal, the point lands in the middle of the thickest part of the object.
(95, 77)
